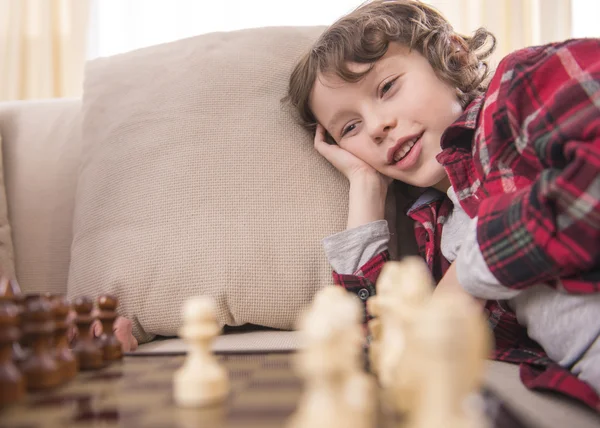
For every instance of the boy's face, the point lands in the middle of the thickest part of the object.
(399, 102)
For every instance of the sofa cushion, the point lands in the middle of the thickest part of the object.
(195, 180)
(7, 266)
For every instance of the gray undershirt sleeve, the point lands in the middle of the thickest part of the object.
(566, 325)
(347, 251)
(473, 272)
(459, 245)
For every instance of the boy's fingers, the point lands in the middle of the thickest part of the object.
(71, 333)
(326, 150)
(124, 338)
(319, 134)
(123, 333)
(122, 323)
(96, 328)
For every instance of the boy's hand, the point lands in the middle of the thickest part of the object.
(123, 331)
(344, 161)
(122, 328)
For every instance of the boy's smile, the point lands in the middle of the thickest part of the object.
(393, 118)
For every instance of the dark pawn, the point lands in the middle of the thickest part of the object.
(67, 362)
(88, 352)
(12, 382)
(40, 368)
(11, 292)
(111, 347)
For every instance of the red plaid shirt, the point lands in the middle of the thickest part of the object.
(524, 159)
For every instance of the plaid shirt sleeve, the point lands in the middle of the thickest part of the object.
(542, 113)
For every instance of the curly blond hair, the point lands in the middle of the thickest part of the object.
(363, 36)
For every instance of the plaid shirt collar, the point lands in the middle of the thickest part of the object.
(465, 124)
(456, 146)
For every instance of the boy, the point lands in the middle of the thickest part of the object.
(512, 213)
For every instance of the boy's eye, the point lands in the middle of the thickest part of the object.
(387, 87)
(348, 128)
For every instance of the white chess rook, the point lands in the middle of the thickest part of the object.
(201, 381)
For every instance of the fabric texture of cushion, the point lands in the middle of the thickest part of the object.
(195, 180)
(7, 266)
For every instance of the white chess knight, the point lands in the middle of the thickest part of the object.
(201, 381)
(337, 392)
(403, 290)
(452, 346)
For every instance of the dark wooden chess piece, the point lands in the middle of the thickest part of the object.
(12, 382)
(11, 292)
(111, 347)
(65, 358)
(88, 352)
(40, 368)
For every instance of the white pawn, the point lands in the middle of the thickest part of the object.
(201, 381)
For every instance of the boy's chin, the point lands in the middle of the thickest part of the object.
(437, 182)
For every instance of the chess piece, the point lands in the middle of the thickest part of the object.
(88, 352)
(11, 292)
(12, 382)
(404, 289)
(40, 368)
(453, 343)
(111, 347)
(375, 327)
(65, 358)
(201, 381)
(337, 393)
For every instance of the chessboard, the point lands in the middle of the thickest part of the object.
(421, 367)
(138, 392)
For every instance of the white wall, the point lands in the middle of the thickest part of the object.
(122, 25)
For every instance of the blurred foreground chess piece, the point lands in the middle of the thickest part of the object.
(11, 292)
(375, 328)
(12, 382)
(65, 358)
(40, 368)
(337, 392)
(201, 381)
(86, 348)
(111, 347)
(450, 353)
(404, 288)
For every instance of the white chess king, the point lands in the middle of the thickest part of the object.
(201, 381)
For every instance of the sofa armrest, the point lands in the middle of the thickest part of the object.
(41, 151)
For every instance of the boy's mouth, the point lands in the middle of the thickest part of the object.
(402, 148)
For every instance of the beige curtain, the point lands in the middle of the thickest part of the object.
(42, 48)
(515, 23)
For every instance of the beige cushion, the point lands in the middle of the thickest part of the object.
(41, 148)
(195, 181)
(7, 266)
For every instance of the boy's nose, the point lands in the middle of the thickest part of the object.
(381, 132)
